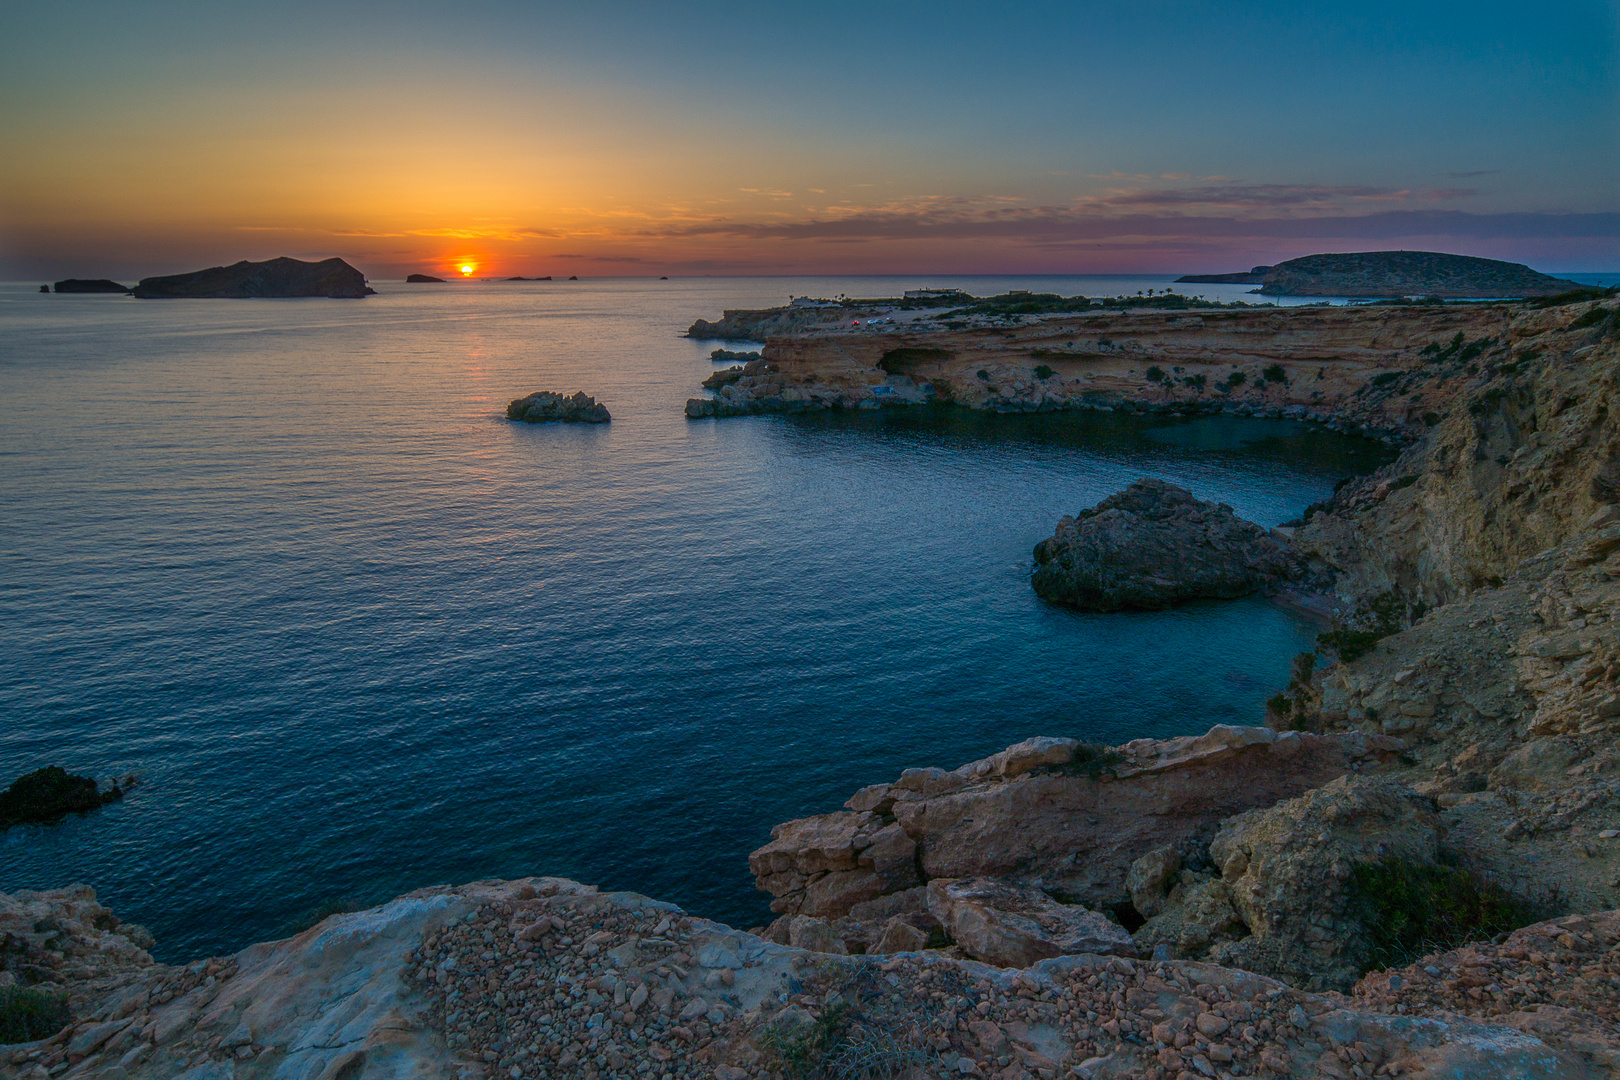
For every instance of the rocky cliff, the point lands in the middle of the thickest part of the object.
(1387, 371)
(282, 277)
(1408, 273)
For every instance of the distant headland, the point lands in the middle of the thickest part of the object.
(1388, 274)
(274, 278)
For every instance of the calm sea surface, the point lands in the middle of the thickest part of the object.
(359, 634)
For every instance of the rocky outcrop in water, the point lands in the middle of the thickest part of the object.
(543, 977)
(543, 406)
(1408, 273)
(275, 278)
(90, 285)
(50, 793)
(1153, 545)
(424, 279)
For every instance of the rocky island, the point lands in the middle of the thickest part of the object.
(275, 278)
(1394, 274)
(543, 406)
(90, 285)
(1411, 870)
(423, 279)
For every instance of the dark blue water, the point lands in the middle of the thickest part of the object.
(358, 633)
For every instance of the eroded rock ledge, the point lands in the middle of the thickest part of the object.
(544, 977)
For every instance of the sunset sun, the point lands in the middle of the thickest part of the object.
(466, 270)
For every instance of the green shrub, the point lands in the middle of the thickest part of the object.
(1275, 373)
(1236, 379)
(27, 1014)
(1091, 759)
(1386, 378)
(1409, 909)
(1280, 705)
(1197, 382)
(1043, 372)
(1591, 318)
(1155, 374)
(799, 1052)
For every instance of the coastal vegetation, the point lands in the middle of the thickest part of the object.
(1410, 908)
(27, 1014)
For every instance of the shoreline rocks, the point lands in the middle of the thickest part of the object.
(543, 406)
(1154, 545)
(274, 278)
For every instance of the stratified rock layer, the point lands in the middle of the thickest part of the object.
(1153, 545)
(274, 278)
(543, 406)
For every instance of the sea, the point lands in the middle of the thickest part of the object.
(356, 633)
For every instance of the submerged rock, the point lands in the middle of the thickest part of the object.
(274, 278)
(543, 405)
(1154, 545)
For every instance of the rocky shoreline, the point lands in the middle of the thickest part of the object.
(1212, 906)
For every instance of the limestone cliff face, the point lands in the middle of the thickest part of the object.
(1523, 459)
(1389, 370)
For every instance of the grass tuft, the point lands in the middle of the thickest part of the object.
(27, 1014)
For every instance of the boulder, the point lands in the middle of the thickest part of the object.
(1290, 868)
(90, 285)
(1154, 545)
(901, 936)
(283, 277)
(1011, 924)
(814, 935)
(1196, 915)
(1150, 878)
(543, 406)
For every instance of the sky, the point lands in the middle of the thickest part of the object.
(710, 137)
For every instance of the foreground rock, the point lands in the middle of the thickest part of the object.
(90, 285)
(1154, 545)
(1072, 817)
(544, 977)
(542, 406)
(1408, 273)
(49, 793)
(1013, 925)
(275, 278)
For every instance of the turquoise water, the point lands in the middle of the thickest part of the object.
(359, 634)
